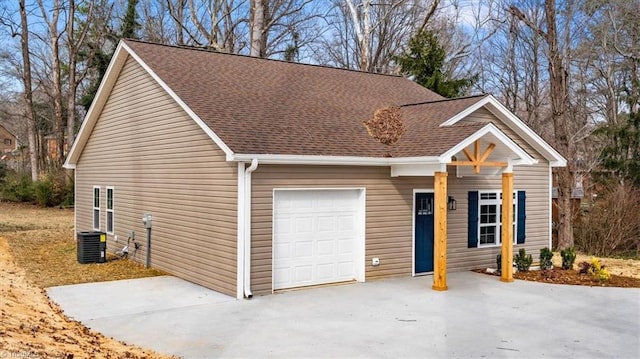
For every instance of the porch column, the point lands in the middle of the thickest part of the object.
(507, 227)
(440, 232)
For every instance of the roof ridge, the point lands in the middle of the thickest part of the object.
(203, 49)
(444, 100)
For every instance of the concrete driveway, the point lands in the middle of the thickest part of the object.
(478, 317)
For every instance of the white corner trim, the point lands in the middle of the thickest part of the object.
(240, 233)
(550, 212)
(524, 157)
(554, 157)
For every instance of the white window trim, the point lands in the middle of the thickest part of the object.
(498, 224)
(112, 211)
(93, 205)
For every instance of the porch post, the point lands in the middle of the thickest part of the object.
(507, 227)
(440, 240)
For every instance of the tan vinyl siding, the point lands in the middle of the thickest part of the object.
(389, 202)
(532, 179)
(389, 213)
(160, 161)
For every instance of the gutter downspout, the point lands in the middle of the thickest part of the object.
(247, 228)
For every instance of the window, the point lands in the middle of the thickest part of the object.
(485, 218)
(110, 210)
(7, 141)
(96, 208)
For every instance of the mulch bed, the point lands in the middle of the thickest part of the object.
(572, 277)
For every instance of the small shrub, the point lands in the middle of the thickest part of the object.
(546, 259)
(44, 193)
(499, 262)
(17, 188)
(522, 260)
(52, 191)
(595, 269)
(609, 224)
(568, 258)
(3, 172)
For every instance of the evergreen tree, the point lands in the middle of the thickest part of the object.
(100, 58)
(622, 153)
(424, 62)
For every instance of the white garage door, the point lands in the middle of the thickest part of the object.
(316, 237)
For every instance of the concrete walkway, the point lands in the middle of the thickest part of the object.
(479, 317)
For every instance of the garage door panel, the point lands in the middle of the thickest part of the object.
(346, 223)
(303, 224)
(345, 247)
(345, 269)
(303, 274)
(326, 223)
(282, 250)
(282, 275)
(326, 271)
(303, 249)
(326, 247)
(323, 238)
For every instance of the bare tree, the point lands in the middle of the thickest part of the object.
(74, 44)
(258, 28)
(55, 88)
(558, 69)
(28, 92)
(365, 35)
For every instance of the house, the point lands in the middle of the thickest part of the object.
(8, 141)
(259, 175)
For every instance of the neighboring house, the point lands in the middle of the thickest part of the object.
(8, 141)
(261, 175)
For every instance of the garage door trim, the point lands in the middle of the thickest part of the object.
(359, 245)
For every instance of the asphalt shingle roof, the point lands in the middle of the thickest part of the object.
(259, 106)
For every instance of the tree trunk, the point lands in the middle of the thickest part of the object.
(257, 27)
(559, 106)
(72, 50)
(565, 208)
(28, 93)
(56, 86)
(365, 43)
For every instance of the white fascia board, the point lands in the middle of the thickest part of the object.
(490, 128)
(331, 160)
(421, 170)
(218, 141)
(554, 157)
(109, 80)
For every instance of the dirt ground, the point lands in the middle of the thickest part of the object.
(625, 273)
(616, 266)
(31, 326)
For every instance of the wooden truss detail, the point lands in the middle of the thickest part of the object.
(478, 159)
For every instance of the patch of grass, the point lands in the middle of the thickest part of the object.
(43, 244)
(12, 227)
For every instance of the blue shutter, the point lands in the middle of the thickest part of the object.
(522, 216)
(473, 220)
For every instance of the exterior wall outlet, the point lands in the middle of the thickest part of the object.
(375, 262)
(115, 238)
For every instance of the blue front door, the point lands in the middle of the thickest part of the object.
(423, 213)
